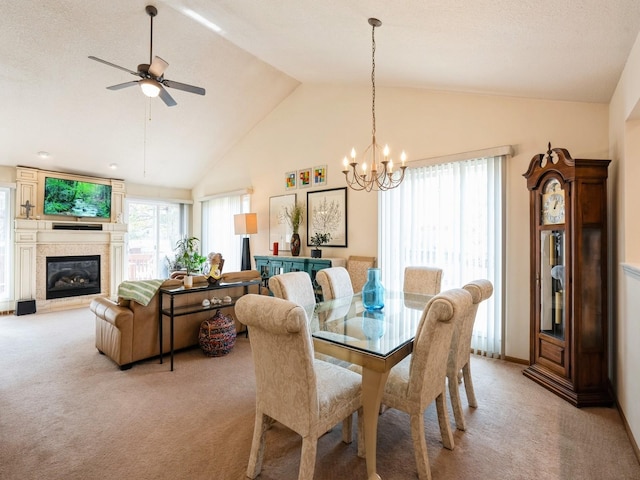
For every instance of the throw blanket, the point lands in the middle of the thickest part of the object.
(140, 291)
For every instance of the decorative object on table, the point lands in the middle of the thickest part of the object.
(245, 224)
(275, 248)
(294, 215)
(216, 301)
(206, 302)
(373, 291)
(381, 175)
(290, 180)
(317, 241)
(304, 178)
(327, 213)
(279, 229)
(320, 176)
(226, 299)
(27, 208)
(215, 263)
(217, 335)
(188, 256)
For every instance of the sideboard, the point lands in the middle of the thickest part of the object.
(270, 265)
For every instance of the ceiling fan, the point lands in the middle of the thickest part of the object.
(152, 80)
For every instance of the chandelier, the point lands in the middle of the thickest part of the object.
(381, 175)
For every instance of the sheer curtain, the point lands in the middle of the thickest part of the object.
(218, 234)
(450, 216)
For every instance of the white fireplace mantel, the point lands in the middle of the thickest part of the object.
(36, 239)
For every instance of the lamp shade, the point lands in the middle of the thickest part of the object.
(245, 223)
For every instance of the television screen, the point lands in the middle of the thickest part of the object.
(75, 198)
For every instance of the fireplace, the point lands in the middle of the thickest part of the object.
(72, 276)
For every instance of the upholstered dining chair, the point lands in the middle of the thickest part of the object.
(335, 283)
(295, 287)
(357, 267)
(458, 366)
(420, 379)
(308, 396)
(424, 280)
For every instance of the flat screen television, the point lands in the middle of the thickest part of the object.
(76, 198)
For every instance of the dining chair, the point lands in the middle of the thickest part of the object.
(424, 280)
(357, 267)
(420, 379)
(308, 396)
(334, 282)
(458, 365)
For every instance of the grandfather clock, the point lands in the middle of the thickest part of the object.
(568, 285)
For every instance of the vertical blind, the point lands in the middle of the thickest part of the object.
(449, 216)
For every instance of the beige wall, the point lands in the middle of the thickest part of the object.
(624, 128)
(318, 124)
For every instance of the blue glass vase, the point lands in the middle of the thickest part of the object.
(373, 291)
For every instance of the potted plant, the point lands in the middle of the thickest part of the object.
(294, 216)
(317, 240)
(188, 256)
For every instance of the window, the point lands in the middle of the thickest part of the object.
(154, 228)
(449, 215)
(6, 244)
(218, 233)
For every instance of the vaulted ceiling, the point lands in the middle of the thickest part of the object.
(250, 54)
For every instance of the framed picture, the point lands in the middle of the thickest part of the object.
(319, 175)
(290, 180)
(327, 213)
(304, 178)
(279, 229)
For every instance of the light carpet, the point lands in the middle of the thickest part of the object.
(67, 412)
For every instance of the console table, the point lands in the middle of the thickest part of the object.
(172, 311)
(270, 265)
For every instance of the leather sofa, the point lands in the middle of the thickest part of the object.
(127, 331)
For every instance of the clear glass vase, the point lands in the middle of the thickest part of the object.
(373, 291)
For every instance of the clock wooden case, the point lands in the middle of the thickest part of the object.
(568, 286)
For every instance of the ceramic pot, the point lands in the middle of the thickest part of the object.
(295, 245)
(316, 253)
(187, 281)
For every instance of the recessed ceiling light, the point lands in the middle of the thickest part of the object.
(43, 154)
(113, 166)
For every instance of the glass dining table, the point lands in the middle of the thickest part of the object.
(375, 340)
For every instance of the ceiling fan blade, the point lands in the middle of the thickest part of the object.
(157, 67)
(184, 87)
(114, 65)
(166, 98)
(123, 85)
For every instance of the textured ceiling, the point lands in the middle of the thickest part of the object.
(54, 98)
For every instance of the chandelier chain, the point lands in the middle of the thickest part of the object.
(373, 78)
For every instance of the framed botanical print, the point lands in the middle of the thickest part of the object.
(279, 228)
(327, 213)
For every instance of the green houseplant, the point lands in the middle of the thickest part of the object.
(317, 240)
(295, 216)
(188, 256)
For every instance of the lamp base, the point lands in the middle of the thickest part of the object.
(246, 255)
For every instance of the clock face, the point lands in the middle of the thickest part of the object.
(552, 203)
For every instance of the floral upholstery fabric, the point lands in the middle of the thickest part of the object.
(357, 268)
(459, 355)
(335, 283)
(419, 379)
(424, 280)
(293, 286)
(307, 395)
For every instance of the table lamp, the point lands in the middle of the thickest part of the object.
(245, 224)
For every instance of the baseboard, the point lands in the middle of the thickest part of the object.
(516, 360)
(632, 440)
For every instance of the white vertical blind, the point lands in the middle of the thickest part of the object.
(218, 234)
(449, 216)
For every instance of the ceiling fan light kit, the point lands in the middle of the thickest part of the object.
(152, 80)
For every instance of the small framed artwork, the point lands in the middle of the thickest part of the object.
(290, 180)
(279, 228)
(327, 213)
(319, 176)
(304, 178)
